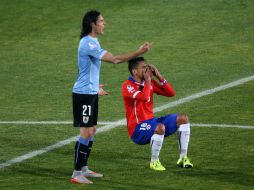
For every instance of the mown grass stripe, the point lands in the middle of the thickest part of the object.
(123, 121)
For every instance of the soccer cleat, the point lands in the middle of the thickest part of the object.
(187, 163)
(90, 173)
(184, 162)
(180, 162)
(157, 166)
(80, 179)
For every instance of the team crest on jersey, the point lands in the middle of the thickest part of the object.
(92, 46)
(130, 88)
(85, 119)
(145, 126)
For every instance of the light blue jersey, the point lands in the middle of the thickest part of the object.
(89, 63)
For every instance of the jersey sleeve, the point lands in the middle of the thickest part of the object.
(93, 49)
(164, 89)
(129, 91)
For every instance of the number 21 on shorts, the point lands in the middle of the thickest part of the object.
(86, 113)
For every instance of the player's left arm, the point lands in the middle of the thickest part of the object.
(164, 88)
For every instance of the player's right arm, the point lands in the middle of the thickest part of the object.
(116, 59)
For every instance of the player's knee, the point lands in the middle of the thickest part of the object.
(182, 119)
(87, 132)
(84, 133)
(160, 129)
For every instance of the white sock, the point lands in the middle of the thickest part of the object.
(76, 173)
(156, 144)
(184, 138)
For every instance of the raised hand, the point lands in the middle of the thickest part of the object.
(155, 71)
(145, 47)
(148, 75)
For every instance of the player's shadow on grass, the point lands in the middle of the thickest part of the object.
(44, 172)
(233, 176)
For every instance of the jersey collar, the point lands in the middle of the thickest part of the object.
(92, 38)
(132, 80)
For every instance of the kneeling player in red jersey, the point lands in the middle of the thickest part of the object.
(143, 127)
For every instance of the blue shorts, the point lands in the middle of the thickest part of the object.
(145, 130)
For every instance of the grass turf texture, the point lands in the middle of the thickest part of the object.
(197, 45)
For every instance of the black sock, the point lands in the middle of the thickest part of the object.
(81, 155)
(89, 149)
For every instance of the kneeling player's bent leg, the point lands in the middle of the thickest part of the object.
(184, 138)
(156, 145)
(183, 133)
(182, 119)
(170, 123)
(150, 131)
(173, 122)
(160, 129)
(144, 131)
(157, 141)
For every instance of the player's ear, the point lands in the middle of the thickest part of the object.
(134, 71)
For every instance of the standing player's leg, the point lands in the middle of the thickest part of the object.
(85, 112)
(81, 155)
(86, 172)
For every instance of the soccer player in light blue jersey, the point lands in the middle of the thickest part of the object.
(87, 88)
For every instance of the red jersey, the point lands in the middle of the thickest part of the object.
(138, 100)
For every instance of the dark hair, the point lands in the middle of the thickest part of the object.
(89, 18)
(133, 63)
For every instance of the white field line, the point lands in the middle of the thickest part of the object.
(123, 121)
(48, 122)
(204, 93)
(158, 109)
(222, 125)
(99, 130)
(51, 147)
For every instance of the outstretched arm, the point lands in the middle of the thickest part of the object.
(116, 59)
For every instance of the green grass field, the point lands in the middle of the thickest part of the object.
(197, 45)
